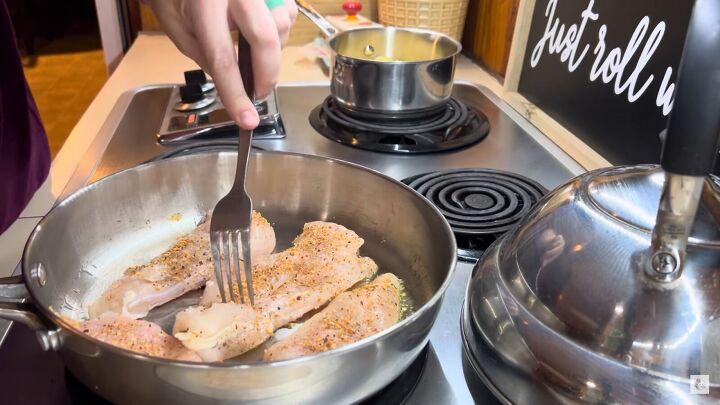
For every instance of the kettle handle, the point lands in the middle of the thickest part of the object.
(691, 143)
(692, 139)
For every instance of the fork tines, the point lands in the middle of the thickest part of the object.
(224, 246)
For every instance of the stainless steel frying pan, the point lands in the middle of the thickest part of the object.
(121, 215)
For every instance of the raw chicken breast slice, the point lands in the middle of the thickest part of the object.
(211, 293)
(221, 330)
(186, 266)
(352, 316)
(320, 244)
(136, 335)
(322, 263)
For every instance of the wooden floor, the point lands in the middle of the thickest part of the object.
(64, 83)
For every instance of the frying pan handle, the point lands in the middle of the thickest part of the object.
(13, 307)
(309, 11)
(691, 142)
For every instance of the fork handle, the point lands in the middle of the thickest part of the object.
(248, 79)
(245, 64)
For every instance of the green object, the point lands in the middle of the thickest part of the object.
(274, 3)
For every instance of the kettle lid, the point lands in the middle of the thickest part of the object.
(574, 265)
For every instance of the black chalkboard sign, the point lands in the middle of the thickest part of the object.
(606, 70)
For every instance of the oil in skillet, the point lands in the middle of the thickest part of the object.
(407, 304)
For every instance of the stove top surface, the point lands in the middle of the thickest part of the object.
(511, 145)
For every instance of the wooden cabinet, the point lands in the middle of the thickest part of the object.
(488, 34)
(148, 22)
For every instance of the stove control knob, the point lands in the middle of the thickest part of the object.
(191, 93)
(351, 8)
(195, 77)
(198, 77)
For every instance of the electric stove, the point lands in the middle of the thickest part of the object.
(484, 168)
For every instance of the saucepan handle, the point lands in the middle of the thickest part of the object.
(309, 11)
(14, 307)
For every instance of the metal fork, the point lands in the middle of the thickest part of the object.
(232, 214)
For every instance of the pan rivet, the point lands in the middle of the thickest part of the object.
(369, 50)
(40, 274)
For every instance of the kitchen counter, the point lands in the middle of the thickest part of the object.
(152, 59)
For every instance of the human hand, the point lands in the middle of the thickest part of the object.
(553, 244)
(201, 30)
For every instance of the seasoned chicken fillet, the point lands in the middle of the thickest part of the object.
(217, 332)
(186, 266)
(322, 263)
(352, 316)
(136, 335)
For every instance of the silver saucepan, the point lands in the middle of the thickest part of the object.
(388, 70)
(114, 217)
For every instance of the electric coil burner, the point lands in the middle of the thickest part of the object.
(451, 126)
(479, 204)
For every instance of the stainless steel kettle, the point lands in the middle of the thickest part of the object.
(609, 291)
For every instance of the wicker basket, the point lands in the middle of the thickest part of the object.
(446, 16)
